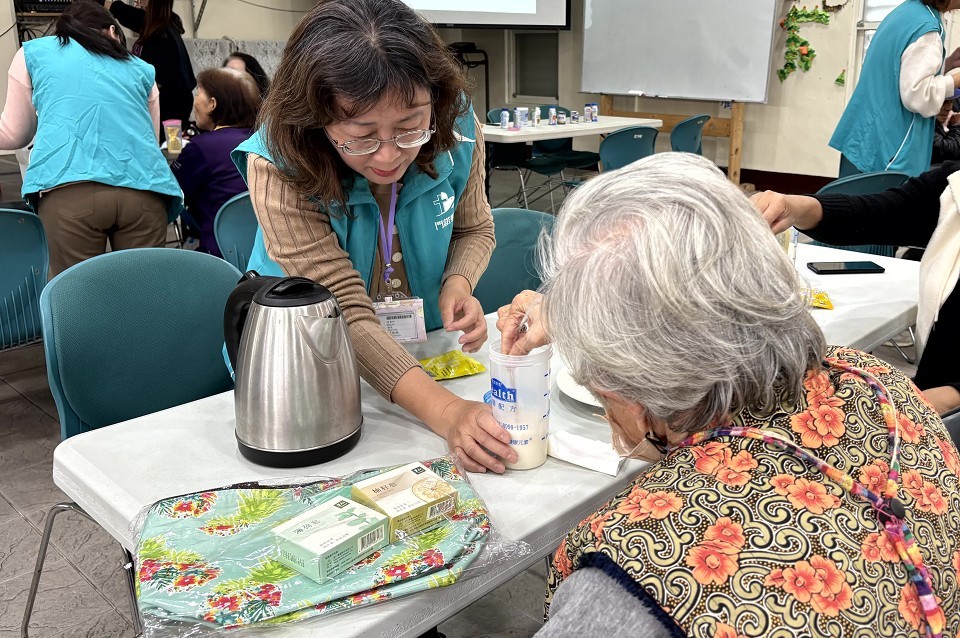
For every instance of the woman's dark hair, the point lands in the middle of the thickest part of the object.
(159, 16)
(83, 21)
(342, 60)
(236, 94)
(254, 69)
(939, 5)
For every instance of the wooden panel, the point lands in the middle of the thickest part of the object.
(715, 126)
(736, 142)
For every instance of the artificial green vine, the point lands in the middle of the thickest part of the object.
(799, 53)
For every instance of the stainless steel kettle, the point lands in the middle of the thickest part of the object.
(297, 384)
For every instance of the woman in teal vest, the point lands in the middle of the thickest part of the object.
(888, 123)
(367, 175)
(96, 171)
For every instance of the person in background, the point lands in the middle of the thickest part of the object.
(246, 62)
(160, 44)
(888, 123)
(921, 212)
(226, 108)
(96, 171)
(367, 176)
(795, 475)
(946, 134)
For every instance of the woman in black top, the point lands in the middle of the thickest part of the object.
(160, 44)
(902, 216)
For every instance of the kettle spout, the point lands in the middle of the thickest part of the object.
(323, 335)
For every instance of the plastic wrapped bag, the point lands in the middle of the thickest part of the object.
(209, 561)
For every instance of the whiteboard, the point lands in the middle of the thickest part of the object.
(694, 49)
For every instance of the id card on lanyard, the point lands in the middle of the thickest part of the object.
(402, 317)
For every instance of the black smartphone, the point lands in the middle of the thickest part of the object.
(844, 267)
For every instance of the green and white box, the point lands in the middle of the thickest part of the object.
(329, 538)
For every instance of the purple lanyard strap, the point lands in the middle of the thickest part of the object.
(890, 511)
(386, 236)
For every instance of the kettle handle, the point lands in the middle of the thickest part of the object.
(235, 313)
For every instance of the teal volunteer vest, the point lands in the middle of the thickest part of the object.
(876, 132)
(424, 219)
(93, 124)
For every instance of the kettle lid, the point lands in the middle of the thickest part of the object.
(292, 292)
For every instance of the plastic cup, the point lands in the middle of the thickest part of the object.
(520, 388)
(174, 134)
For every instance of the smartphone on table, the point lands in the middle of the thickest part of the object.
(844, 267)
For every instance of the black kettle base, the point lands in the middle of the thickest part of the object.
(302, 458)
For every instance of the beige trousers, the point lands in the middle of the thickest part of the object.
(80, 218)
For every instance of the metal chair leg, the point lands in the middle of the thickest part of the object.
(131, 577)
(41, 557)
(523, 190)
(913, 339)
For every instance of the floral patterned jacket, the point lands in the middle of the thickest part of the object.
(734, 538)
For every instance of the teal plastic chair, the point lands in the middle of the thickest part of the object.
(627, 146)
(235, 228)
(126, 334)
(687, 136)
(513, 266)
(865, 184)
(24, 267)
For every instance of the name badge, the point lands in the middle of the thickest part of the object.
(402, 318)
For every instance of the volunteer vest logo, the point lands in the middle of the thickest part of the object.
(444, 204)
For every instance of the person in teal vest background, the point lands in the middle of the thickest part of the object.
(367, 176)
(888, 123)
(96, 171)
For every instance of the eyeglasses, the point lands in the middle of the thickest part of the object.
(410, 139)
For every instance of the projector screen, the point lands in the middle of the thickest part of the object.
(500, 14)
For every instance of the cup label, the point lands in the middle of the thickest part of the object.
(502, 392)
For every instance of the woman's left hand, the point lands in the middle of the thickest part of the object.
(460, 310)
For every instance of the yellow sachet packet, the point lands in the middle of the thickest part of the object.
(820, 299)
(451, 365)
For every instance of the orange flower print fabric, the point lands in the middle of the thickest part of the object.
(789, 551)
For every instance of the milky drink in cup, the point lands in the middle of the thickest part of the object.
(520, 391)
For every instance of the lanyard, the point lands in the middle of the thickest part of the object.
(386, 238)
(890, 511)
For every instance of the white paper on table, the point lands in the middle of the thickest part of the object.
(598, 456)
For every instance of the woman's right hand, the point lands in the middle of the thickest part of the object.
(515, 337)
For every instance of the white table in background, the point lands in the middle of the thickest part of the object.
(116, 471)
(606, 124)
(868, 309)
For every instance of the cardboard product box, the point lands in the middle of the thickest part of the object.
(412, 497)
(329, 538)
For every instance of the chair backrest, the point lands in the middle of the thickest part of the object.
(132, 332)
(512, 267)
(627, 146)
(687, 136)
(235, 228)
(493, 116)
(24, 266)
(864, 183)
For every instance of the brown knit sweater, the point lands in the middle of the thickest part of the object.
(300, 239)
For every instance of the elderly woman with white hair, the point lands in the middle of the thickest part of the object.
(804, 489)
